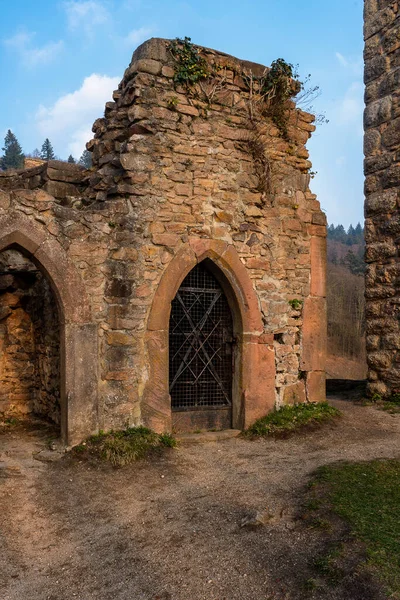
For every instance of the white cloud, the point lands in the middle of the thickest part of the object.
(137, 36)
(86, 16)
(341, 59)
(31, 55)
(20, 40)
(68, 122)
(353, 64)
(351, 106)
(78, 140)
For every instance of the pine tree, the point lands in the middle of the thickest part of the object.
(354, 263)
(350, 236)
(340, 234)
(86, 159)
(13, 157)
(358, 229)
(331, 231)
(47, 152)
(71, 159)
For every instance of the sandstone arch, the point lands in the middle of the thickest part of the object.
(78, 335)
(254, 377)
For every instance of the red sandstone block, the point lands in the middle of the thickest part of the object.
(318, 266)
(315, 386)
(314, 335)
(165, 239)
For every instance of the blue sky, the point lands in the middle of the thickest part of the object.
(60, 61)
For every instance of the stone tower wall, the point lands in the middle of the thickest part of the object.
(382, 191)
(183, 166)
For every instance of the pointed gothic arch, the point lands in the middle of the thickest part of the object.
(78, 334)
(254, 375)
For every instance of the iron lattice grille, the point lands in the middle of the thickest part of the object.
(200, 338)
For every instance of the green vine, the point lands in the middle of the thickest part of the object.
(190, 66)
(269, 92)
(267, 97)
(281, 83)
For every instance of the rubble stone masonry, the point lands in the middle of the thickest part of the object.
(175, 180)
(382, 193)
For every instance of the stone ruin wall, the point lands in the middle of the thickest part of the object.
(58, 178)
(169, 174)
(29, 340)
(382, 191)
(183, 170)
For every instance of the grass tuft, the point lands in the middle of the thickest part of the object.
(390, 407)
(290, 419)
(121, 448)
(7, 421)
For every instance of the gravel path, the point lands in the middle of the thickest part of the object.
(170, 529)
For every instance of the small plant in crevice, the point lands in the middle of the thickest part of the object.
(296, 304)
(8, 420)
(172, 102)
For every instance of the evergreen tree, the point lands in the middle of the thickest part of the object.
(86, 159)
(331, 231)
(71, 159)
(354, 263)
(350, 236)
(13, 157)
(36, 153)
(47, 152)
(358, 229)
(340, 234)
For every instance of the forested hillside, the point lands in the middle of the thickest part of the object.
(346, 305)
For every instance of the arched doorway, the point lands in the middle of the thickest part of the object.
(78, 355)
(29, 340)
(201, 353)
(253, 375)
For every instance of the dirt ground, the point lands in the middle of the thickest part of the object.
(170, 528)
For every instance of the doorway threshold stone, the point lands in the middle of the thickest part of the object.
(207, 436)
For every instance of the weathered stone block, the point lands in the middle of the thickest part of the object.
(374, 68)
(378, 112)
(60, 189)
(315, 386)
(314, 335)
(295, 393)
(318, 266)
